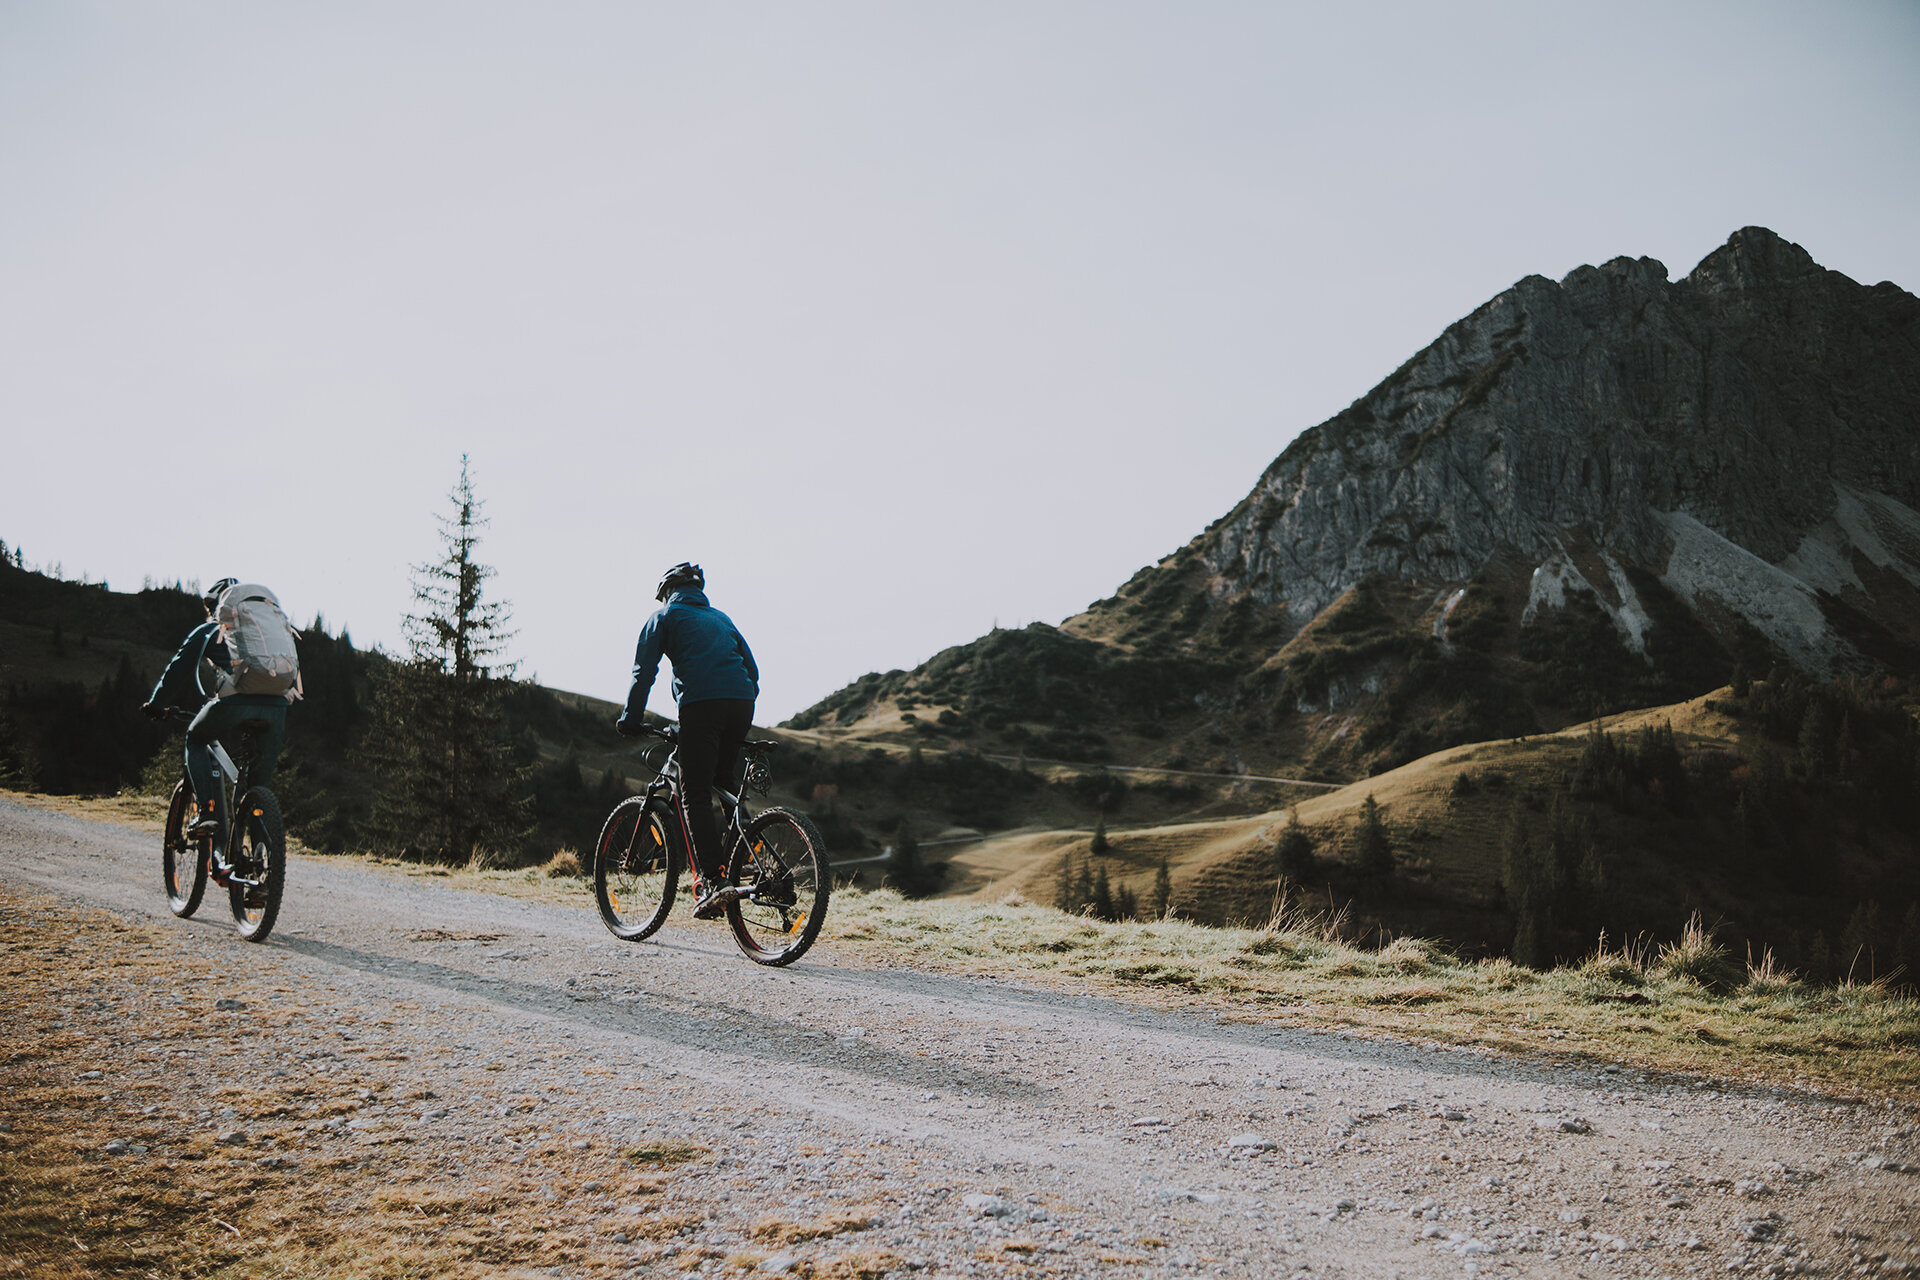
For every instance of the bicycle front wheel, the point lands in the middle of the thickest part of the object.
(183, 863)
(636, 868)
(784, 867)
(257, 852)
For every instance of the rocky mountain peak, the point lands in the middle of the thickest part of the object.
(1751, 257)
(1747, 434)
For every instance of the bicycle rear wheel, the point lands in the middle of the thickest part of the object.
(785, 867)
(257, 852)
(183, 864)
(636, 868)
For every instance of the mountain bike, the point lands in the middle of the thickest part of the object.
(777, 857)
(251, 863)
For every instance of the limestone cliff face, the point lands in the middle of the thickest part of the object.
(1750, 434)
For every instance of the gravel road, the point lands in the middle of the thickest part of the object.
(989, 1128)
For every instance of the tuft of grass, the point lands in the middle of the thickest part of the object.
(1408, 955)
(861, 1264)
(665, 1155)
(564, 864)
(1698, 958)
(786, 1231)
(1765, 977)
(485, 859)
(1625, 967)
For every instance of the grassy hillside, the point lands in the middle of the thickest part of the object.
(1724, 806)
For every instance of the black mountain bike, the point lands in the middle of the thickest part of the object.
(251, 863)
(778, 857)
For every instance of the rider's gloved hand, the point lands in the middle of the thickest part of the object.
(627, 728)
(154, 711)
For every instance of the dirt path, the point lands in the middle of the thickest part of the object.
(686, 1111)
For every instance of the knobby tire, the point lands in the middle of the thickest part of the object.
(636, 868)
(784, 863)
(183, 864)
(257, 849)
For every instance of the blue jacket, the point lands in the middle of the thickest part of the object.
(180, 683)
(709, 655)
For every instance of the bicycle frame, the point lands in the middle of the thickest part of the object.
(237, 780)
(667, 783)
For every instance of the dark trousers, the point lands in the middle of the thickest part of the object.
(710, 736)
(219, 721)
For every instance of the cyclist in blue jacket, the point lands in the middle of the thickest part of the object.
(715, 681)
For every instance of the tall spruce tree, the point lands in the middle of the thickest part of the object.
(1372, 847)
(1162, 900)
(1527, 897)
(448, 786)
(910, 872)
(1293, 852)
(1102, 902)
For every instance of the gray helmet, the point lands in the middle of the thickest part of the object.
(681, 575)
(218, 589)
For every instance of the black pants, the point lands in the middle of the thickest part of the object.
(710, 738)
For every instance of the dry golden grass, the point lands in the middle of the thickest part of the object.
(565, 864)
(785, 1231)
(191, 1208)
(860, 1264)
(664, 1155)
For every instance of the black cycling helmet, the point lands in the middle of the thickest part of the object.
(212, 598)
(681, 575)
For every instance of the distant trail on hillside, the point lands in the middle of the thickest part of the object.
(1078, 764)
(1177, 773)
(975, 1119)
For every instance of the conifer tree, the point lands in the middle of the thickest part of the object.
(1860, 941)
(1740, 683)
(448, 785)
(1099, 843)
(1908, 946)
(1531, 904)
(1162, 900)
(1293, 854)
(1063, 884)
(1082, 887)
(1372, 848)
(1819, 957)
(1102, 895)
(910, 872)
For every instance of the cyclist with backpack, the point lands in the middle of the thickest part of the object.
(239, 665)
(715, 681)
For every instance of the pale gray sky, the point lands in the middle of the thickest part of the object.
(901, 318)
